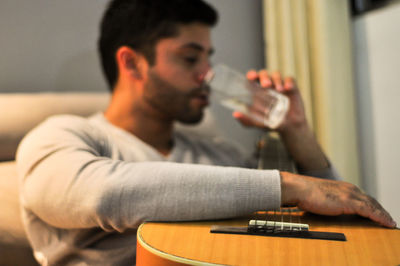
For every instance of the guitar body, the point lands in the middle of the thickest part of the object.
(191, 243)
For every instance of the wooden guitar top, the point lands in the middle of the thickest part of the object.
(192, 243)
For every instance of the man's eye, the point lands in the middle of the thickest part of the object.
(191, 60)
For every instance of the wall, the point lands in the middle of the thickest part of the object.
(377, 61)
(238, 41)
(49, 45)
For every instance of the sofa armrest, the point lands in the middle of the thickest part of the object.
(23, 111)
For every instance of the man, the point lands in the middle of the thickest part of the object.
(87, 184)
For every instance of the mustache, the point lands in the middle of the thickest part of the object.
(200, 91)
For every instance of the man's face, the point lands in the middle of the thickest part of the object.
(174, 86)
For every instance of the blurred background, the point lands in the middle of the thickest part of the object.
(345, 55)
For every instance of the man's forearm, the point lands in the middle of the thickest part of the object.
(304, 148)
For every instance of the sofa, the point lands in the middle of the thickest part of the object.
(19, 113)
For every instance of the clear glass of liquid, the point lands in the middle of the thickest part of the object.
(234, 91)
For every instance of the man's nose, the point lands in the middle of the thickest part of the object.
(202, 73)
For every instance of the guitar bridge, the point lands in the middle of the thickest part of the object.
(278, 229)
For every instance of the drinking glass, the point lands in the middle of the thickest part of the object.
(234, 91)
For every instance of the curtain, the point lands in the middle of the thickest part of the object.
(311, 41)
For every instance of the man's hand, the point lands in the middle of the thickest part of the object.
(296, 115)
(329, 197)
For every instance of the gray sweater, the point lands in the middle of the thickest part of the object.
(87, 185)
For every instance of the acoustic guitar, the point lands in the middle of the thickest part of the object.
(360, 242)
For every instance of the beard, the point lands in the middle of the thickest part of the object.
(172, 103)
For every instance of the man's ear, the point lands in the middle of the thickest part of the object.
(129, 62)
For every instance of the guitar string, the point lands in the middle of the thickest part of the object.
(299, 218)
(283, 215)
(260, 145)
(274, 227)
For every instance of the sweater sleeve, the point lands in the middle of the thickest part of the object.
(67, 182)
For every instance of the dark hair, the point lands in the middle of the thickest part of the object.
(140, 24)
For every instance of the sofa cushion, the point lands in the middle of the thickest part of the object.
(22, 111)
